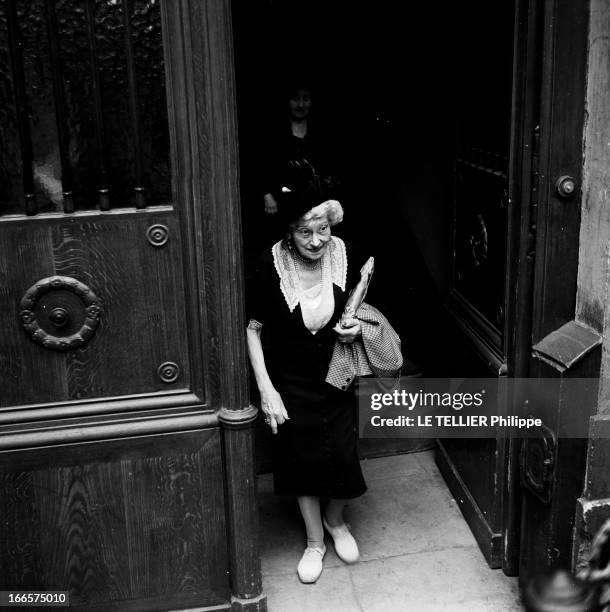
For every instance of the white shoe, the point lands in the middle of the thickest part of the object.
(345, 545)
(310, 565)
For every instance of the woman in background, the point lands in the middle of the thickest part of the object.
(298, 140)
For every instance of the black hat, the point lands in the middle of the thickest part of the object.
(301, 190)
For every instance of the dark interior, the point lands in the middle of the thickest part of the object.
(401, 91)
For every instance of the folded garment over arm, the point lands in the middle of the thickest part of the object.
(378, 352)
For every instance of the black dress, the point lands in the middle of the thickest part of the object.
(284, 150)
(314, 452)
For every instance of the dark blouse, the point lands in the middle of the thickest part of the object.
(314, 452)
(290, 349)
(284, 148)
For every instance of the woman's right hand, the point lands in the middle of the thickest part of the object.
(273, 407)
(270, 204)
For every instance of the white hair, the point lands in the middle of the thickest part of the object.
(331, 209)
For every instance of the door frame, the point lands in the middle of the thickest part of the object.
(202, 103)
(548, 122)
(563, 343)
(523, 194)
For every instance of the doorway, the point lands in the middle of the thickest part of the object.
(418, 108)
(412, 104)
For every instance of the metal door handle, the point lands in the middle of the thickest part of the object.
(565, 186)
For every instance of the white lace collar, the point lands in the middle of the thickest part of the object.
(334, 269)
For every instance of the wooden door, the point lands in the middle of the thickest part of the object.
(121, 356)
(562, 347)
(489, 301)
(92, 253)
(522, 513)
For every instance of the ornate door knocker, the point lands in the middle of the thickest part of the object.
(60, 313)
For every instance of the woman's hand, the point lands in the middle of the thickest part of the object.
(271, 402)
(270, 204)
(348, 331)
(273, 407)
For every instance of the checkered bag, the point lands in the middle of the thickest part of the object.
(378, 352)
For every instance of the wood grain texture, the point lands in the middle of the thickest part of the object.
(246, 580)
(475, 468)
(74, 408)
(475, 461)
(182, 120)
(521, 239)
(201, 103)
(83, 535)
(548, 529)
(143, 527)
(477, 516)
(28, 373)
(126, 521)
(140, 289)
(168, 501)
(95, 428)
(547, 538)
(561, 153)
(203, 134)
(19, 530)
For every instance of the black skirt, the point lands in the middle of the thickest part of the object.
(314, 452)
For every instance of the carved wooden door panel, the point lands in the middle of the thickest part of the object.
(91, 254)
(515, 268)
(487, 232)
(112, 177)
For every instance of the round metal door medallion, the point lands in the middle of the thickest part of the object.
(168, 371)
(158, 234)
(60, 313)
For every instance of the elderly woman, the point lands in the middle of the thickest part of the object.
(295, 305)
